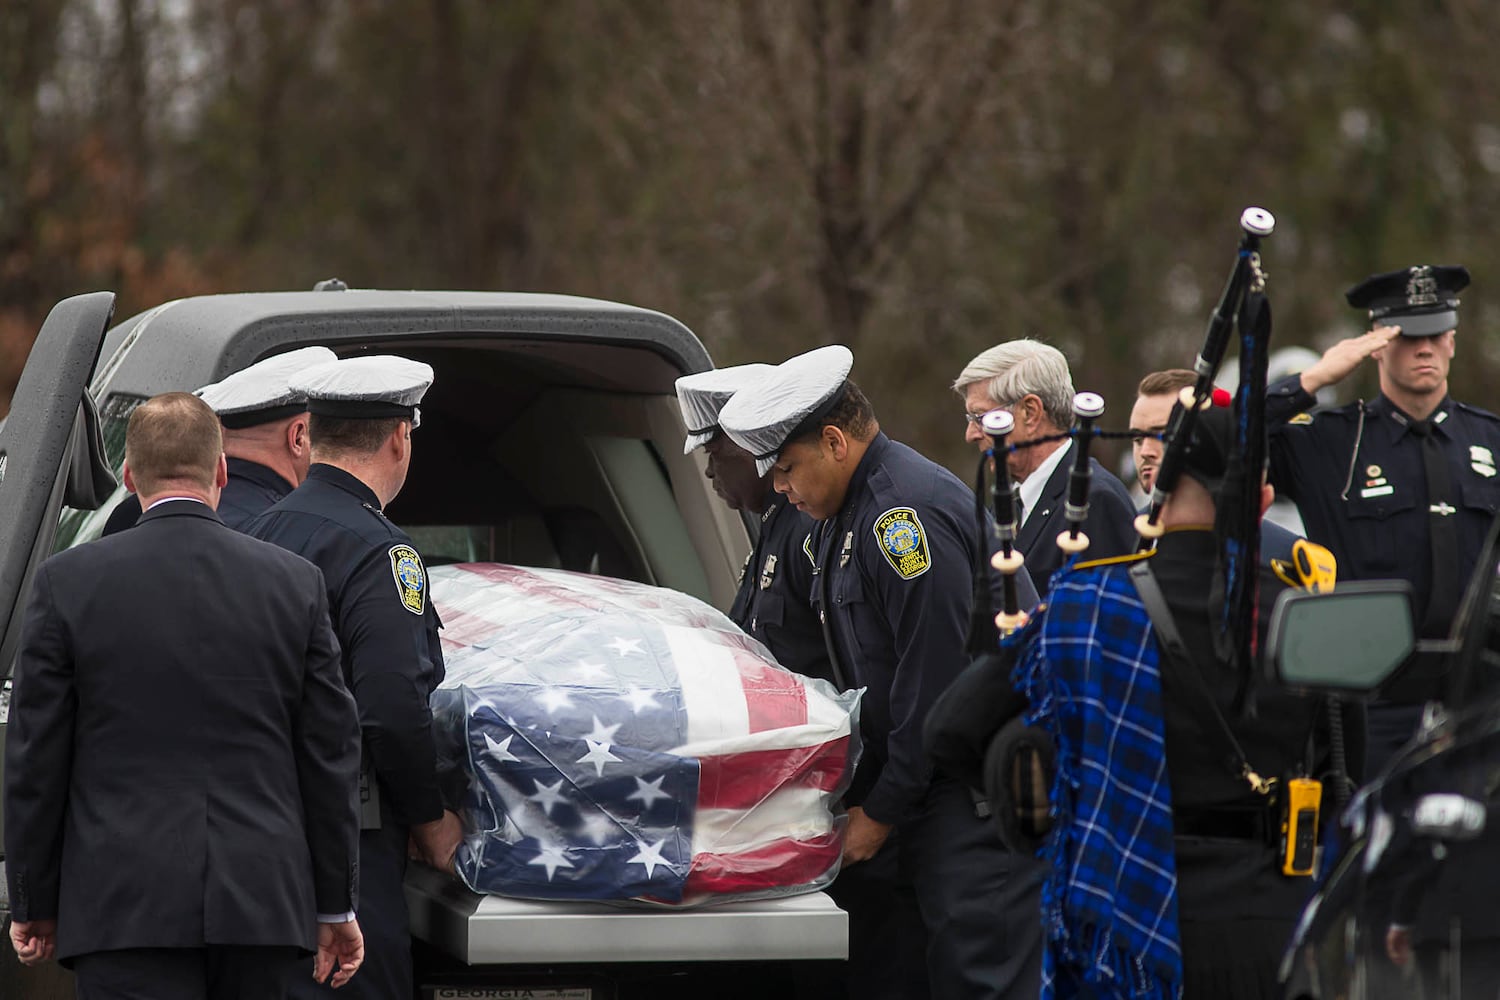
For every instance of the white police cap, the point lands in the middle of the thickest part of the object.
(702, 395)
(379, 385)
(787, 401)
(263, 393)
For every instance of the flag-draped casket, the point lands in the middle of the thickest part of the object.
(625, 741)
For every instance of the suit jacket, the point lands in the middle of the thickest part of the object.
(182, 756)
(1110, 524)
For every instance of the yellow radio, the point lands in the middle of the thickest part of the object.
(1302, 798)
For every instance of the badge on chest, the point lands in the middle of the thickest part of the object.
(768, 573)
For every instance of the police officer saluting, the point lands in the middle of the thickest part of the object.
(363, 412)
(897, 552)
(774, 600)
(1402, 486)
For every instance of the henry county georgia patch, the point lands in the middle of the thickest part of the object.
(903, 542)
(411, 579)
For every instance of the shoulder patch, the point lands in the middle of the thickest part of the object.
(807, 550)
(411, 578)
(903, 542)
(1301, 419)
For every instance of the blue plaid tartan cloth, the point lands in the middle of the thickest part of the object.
(1109, 903)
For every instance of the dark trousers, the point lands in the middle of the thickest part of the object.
(387, 970)
(981, 903)
(215, 972)
(887, 940)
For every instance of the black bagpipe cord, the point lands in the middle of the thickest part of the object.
(1236, 589)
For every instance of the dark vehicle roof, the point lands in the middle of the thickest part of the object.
(238, 329)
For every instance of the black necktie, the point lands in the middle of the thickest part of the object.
(1446, 573)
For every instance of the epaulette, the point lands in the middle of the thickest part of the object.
(1476, 411)
(1130, 557)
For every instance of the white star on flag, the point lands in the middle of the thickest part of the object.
(598, 755)
(547, 796)
(553, 857)
(603, 733)
(501, 751)
(624, 646)
(588, 670)
(649, 791)
(648, 855)
(552, 699)
(640, 698)
(599, 828)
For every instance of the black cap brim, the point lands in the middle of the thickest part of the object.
(1422, 324)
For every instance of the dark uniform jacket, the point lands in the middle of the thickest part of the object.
(377, 596)
(1357, 477)
(251, 488)
(896, 584)
(1236, 908)
(774, 601)
(1110, 525)
(182, 754)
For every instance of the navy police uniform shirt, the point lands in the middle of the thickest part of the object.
(1357, 476)
(387, 628)
(774, 601)
(896, 578)
(251, 489)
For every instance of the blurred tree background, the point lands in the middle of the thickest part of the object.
(919, 180)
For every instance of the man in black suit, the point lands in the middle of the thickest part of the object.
(1032, 381)
(182, 756)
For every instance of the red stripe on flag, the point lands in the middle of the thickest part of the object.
(778, 864)
(741, 780)
(461, 629)
(776, 699)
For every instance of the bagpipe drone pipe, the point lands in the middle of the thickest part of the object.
(976, 731)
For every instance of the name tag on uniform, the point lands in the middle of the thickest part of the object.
(1376, 491)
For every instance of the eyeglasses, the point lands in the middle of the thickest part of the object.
(975, 418)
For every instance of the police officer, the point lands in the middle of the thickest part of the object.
(1404, 485)
(897, 553)
(265, 437)
(774, 600)
(363, 413)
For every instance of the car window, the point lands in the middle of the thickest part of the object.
(75, 526)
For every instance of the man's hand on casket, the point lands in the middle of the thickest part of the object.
(435, 843)
(863, 837)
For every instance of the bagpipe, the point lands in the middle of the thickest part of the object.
(976, 730)
(1242, 306)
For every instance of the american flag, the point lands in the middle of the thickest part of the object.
(629, 742)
